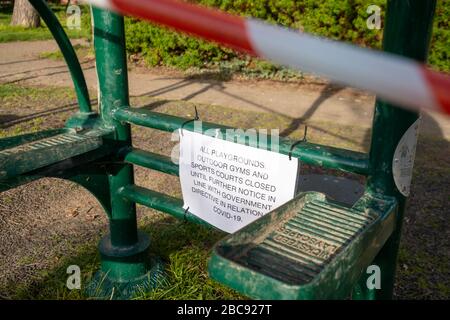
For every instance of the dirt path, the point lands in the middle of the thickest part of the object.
(20, 63)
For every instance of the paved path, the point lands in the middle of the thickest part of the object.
(20, 63)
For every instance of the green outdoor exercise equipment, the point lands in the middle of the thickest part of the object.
(310, 248)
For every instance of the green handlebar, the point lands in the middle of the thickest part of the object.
(68, 52)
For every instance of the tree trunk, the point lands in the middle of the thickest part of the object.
(25, 15)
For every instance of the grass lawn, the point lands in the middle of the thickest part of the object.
(14, 33)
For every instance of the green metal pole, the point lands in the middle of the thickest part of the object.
(407, 32)
(109, 43)
(310, 153)
(124, 249)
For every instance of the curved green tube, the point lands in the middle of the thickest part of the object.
(68, 52)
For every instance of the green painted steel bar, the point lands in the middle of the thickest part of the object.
(310, 153)
(151, 160)
(407, 32)
(125, 269)
(111, 64)
(109, 42)
(68, 52)
(160, 202)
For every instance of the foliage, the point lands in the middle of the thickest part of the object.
(439, 56)
(343, 20)
(160, 46)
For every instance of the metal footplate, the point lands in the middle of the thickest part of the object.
(33, 151)
(310, 248)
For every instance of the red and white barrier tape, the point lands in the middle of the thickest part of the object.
(396, 79)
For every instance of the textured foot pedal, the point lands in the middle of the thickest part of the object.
(40, 152)
(305, 249)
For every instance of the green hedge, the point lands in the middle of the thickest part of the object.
(338, 19)
(440, 43)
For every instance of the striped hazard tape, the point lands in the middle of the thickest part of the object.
(395, 79)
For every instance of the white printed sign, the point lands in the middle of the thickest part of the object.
(230, 185)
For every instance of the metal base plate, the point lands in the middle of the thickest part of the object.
(102, 287)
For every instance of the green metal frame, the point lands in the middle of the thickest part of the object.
(106, 170)
(407, 32)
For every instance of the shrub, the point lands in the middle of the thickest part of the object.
(161, 46)
(343, 20)
(439, 56)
